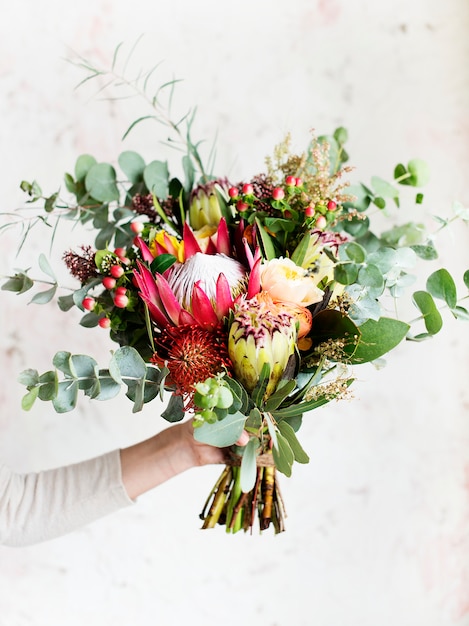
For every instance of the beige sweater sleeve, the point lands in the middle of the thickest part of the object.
(38, 507)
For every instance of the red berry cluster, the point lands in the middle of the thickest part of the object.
(289, 198)
(120, 298)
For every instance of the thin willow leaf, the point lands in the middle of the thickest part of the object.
(137, 121)
(45, 267)
(116, 52)
(149, 74)
(129, 56)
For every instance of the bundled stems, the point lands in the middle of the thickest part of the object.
(228, 505)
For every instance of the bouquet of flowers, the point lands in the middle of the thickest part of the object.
(248, 302)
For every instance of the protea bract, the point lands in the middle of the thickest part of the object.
(261, 332)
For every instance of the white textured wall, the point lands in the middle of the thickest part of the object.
(378, 526)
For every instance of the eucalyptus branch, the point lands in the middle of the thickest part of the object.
(162, 114)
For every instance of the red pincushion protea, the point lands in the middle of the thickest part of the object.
(192, 354)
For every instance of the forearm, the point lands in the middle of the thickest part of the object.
(154, 461)
(42, 506)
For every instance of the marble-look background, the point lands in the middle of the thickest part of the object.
(378, 526)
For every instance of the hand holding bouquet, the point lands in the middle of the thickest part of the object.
(249, 302)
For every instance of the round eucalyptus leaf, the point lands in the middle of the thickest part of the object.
(66, 397)
(156, 177)
(346, 273)
(442, 286)
(222, 433)
(431, 316)
(126, 362)
(420, 172)
(84, 163)
(100, 182)
(370, 276)
(352, 251)
(132, 164)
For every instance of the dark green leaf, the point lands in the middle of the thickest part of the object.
(460, 313)
(442, 286)
(301, 249)
(267, 246)
(50, 202)
(70, 184)
(431, 316)
(48, 385)
(258, 392)
(377, 338)
(352, 252)
(174, 412)
(283, 390)
(466, 278)
(162, 262)
(289, 434)
(401, 175)
(283, 455)
(332, 324)
(346, 273)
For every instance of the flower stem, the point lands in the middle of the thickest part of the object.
(219, 499)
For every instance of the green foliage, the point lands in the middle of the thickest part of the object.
(376, 339)
(424, 301)
(221, 433)
(416, 174)
(81, 373)
(107, 199)
(248, 465)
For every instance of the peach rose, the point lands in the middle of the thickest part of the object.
(287, 282)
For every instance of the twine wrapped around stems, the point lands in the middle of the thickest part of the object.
(262, 460)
